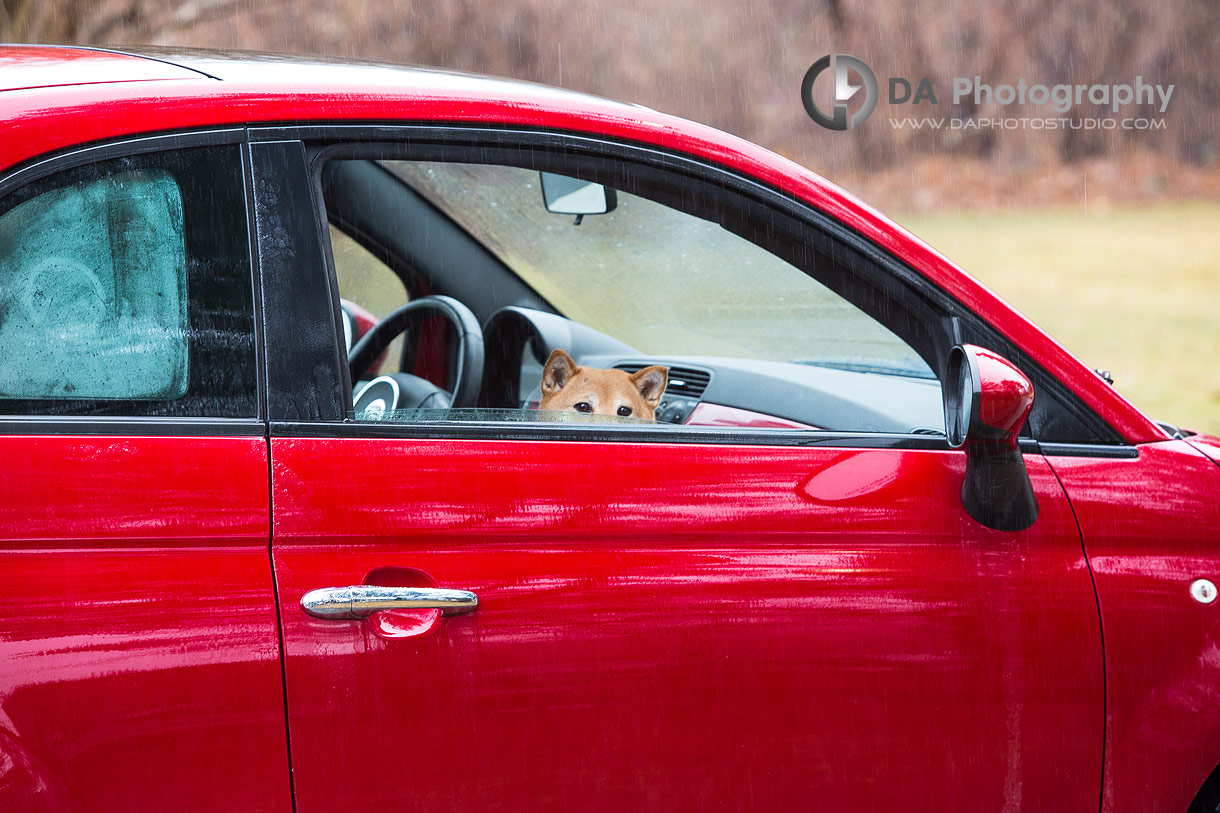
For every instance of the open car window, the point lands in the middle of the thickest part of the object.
(371, 291)
(656, 278)
(756, 328)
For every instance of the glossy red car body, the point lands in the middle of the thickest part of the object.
(808, 627)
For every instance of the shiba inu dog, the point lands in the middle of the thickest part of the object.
(594, 391)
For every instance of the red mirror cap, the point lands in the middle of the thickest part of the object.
(1005, 395)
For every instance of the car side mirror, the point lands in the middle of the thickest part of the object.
(987, 399)
(572, 196)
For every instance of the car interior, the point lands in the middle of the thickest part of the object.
(458, 278)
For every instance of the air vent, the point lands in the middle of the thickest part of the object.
(685, 381)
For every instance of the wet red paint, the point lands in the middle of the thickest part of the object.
(1006, 394)
(402, 623)
(746, 628)
(139, 660)
(1206, 444)
(34, 66)
(1150, 528)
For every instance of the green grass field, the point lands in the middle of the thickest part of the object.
(1136, 292)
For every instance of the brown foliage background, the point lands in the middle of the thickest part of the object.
(1128, 286)
(739, 67)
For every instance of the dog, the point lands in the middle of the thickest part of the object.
(567, 387)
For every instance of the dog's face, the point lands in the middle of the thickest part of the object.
(594, 391)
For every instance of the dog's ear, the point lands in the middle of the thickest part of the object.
(558, 372)
(651, 383)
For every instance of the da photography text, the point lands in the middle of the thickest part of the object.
(845, 76)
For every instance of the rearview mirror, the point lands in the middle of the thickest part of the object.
(986, 402)
(572, 196)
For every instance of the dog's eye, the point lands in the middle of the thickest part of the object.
(583, 406)
(624, 411)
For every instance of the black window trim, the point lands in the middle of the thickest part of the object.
(152, 426)
(132, 426)
(363, 138)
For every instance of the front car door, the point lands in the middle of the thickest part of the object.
(780, 601)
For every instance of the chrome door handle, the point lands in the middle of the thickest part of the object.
(362, 600)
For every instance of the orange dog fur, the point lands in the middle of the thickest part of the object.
(594, 391)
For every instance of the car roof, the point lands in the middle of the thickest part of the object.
(26, 67)
(183, 89)
(68, 97)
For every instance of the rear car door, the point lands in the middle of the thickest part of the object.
(720, 614)
(139, 660)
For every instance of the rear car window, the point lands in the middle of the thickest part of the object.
(93, 291)
(125, 289)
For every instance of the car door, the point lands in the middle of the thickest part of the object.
(667, 617)
(139, 656)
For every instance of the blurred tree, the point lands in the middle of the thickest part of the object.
(736, 66)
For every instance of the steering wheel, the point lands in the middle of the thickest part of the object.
(406, 391)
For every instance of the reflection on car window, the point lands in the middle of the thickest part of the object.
(93, 291)
(659, 279)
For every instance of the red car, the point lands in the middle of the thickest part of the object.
(283, 528)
